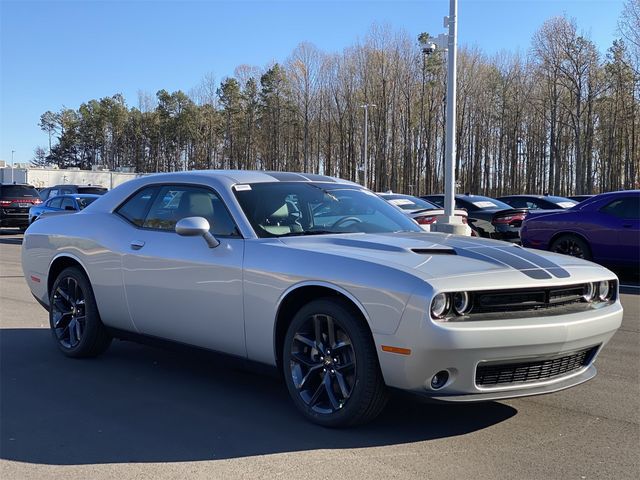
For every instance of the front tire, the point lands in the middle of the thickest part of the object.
(74, 318)
(331, 367)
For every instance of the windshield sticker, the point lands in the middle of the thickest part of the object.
(242, 188)
(484, 204)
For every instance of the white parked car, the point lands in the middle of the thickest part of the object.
(327, 282)
(422, 211)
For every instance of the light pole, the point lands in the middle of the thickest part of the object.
(449, 223)
(12, 152)
(366, 140)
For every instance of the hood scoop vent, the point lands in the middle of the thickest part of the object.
(434, 251)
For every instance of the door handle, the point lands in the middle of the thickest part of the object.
(136, 244)
(626, 225)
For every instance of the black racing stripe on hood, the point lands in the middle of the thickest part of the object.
(558, 272)
(492, 255)
(540, 261)
(504, 256)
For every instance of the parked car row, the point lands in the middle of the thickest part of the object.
(425, 213)
(21, 204)
(604, 228)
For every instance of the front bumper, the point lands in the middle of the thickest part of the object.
(460, 347)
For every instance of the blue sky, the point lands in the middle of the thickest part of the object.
(56, 53)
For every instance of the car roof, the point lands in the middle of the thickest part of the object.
(79, 185)
(10, 184)
(460, 196)
(387, 194)
(259, 176)
(525, 196)
(76, 195)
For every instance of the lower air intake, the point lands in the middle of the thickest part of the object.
(535, 370)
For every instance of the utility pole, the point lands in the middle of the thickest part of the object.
(12, 152)
(449, 223)
(366, 141)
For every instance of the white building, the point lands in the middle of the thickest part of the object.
(46, 177)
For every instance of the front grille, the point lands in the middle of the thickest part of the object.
(526, 299)
(493, 375)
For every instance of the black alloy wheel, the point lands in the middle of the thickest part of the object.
(73, 316)
(323, 364)
(331, 367)
(68, 312)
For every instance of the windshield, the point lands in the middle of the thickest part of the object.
(562, 202)
(84, 202)
(305, 208)
(407, 202)
(481, 203)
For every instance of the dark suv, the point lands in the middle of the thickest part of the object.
(15, 201)
(67, 189)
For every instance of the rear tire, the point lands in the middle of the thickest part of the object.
(333, 377)
(74, 318)
(569, 244)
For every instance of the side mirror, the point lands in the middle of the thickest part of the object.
(196, 227)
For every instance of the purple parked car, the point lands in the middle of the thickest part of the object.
(604, 228)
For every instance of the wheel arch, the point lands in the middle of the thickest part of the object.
(59, 263)
(296, 296)
(557, 235)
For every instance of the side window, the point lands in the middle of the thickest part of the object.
(65, 191)
(628, 207)
(175, 202)
(135, 209)
(532, 205)
(68, 202)
(53, 193)
(55, 202)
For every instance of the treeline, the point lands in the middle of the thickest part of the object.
(562, 119)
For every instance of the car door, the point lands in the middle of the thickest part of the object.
(177, 287)
(622, 216)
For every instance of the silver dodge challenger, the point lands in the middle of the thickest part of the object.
(323, 280)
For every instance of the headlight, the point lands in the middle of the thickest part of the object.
(439, 305)
(590, 292)
(604, 290)
(461, 302)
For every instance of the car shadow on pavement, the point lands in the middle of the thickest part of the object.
(9, 237)
(143, 404)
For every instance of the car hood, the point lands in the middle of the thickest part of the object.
(441, 256)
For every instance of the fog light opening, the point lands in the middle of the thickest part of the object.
(440, 379)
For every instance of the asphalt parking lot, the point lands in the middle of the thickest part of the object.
(143, 412)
